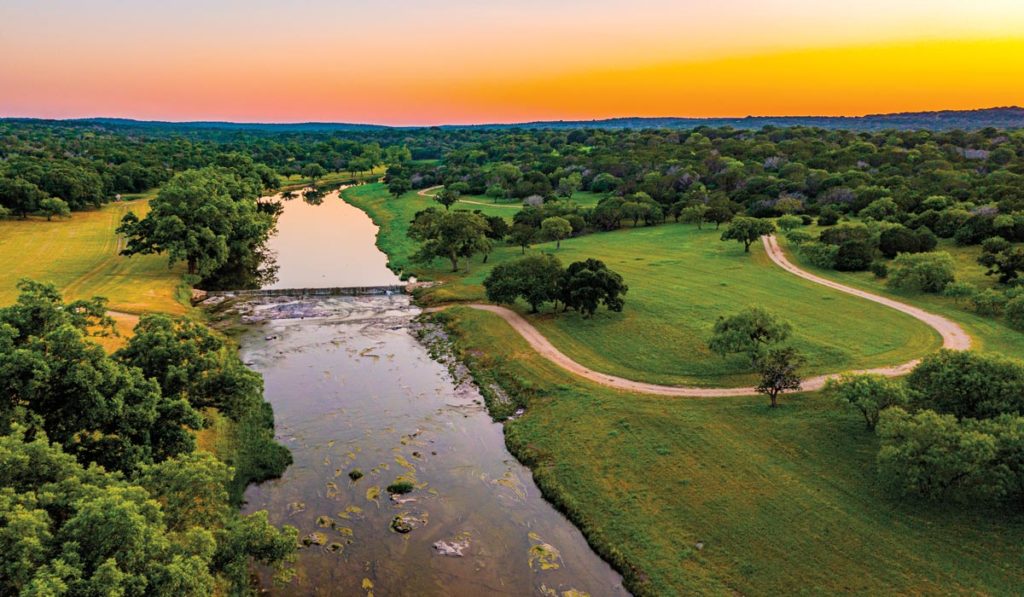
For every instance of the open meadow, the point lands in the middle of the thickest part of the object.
(681, 280)
(724, 496)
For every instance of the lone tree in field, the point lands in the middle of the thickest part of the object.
(750, 331)
(586, 284)
(52, 206)
(869, 394)
(556, 228)
(778, 369)
(535, 279)
(447, 197)
(449, 234)
(522, 235)
(748, 230)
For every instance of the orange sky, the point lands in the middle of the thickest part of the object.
(458, 61)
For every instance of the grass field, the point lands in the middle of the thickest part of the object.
(681, 280)
(784, 501)
(988, 334)
(79, 255)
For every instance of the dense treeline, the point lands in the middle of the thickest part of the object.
(102, 490)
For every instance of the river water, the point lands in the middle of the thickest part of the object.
(353, 390)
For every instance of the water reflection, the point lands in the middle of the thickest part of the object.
(326, 244)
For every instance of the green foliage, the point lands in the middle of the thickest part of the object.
(884, 209)
(66, 529)
(748, 230)
(1015, 313)
(968, 384)
(789, 222)
(922, 272)
(779, 368)
(586, 284)
(820, 254)
(535, 279)
(190, 362)
(750, 332)
(20, 196)
(208, 218)
(868, 394)
(54, 207)
(988, 302)
(555, 228)
(450, 234)
(99, 409)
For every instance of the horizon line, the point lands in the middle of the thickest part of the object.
(504, 123)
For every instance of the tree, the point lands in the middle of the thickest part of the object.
(449, 234)
(932, 455)
(52, 206)
(923, 272)
(880, 209)
(535, 279)
(567, 185)
(191, 363)
(869, 394)
(99, 409)
(208, 218)
(313, 171)
(968, 384)
(694, 214)
(778, 369)
(556, 228)
(748, 230)
(750, 331)
(522, 235)
(900, 239)
(447, 197)
(20, 196)
(586, 284)
(720, 210)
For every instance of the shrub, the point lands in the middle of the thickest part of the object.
(355, 474)
(868, 394)
(880, 269)
(789, 222)
(798, 237)
(924, 272)
(960, 291)
(989, 302)
(828, 217)
(820, 254)
(1015, 313)
(854, 256)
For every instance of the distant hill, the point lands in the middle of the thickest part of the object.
(1000, 118)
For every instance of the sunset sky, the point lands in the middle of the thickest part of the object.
(462, 61)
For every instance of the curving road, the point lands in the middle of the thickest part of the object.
(953, 337)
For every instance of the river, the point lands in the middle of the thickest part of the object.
(354, 390)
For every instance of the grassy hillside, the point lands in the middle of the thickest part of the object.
(681, 280)
(783, 501)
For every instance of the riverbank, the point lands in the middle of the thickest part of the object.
(720, 496)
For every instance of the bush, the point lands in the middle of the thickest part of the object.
(880, 269)
(828, 217)
(806, 220)
(1015, 313)
(960, 291)
(868, 394)
(923, 272)
(854, 256)
(798, 237)
(968, 384)
(819, 254)
(788, 223)
(989, 302)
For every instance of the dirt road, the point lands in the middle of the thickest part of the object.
(953, 337)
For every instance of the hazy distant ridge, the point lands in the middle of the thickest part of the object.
(1002, 118)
